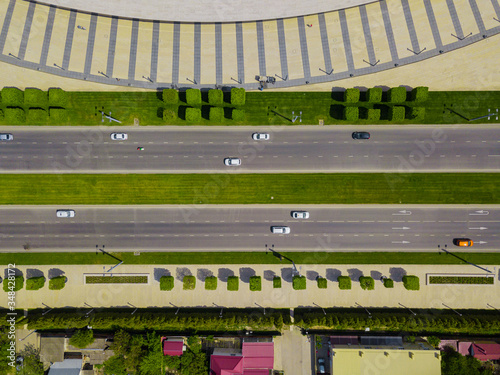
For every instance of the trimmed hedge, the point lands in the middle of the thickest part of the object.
(389, 283)
(367, 282)
(411, 282)
(344, 282)
(396, 95)
(233, 283)
(420, 94)
(216, 114)
(374, 95)
(12, 96)
(15, 115)
(299, 282)
(351, 113)
(276, 282)
(215, 97)
(169, 115)
(193, 97)
(82, 338)
(170, 96)
(193, 114)
(238, 114)
(57, 283)
(116, 279)
(417, 113)
(322, 283)
(351, 95)
(238, 96)
(211, 283)
(37, 115)
(18, 284)
(166, 283)
(189, 282)
(35, 283)
(35, 97)
(461, 280)
(396, 113)
(373, 114)
(58, 114)
(58, 97)
(255, 283)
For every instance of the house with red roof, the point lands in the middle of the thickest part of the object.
(489, 351)
(173, 346)
(255, 358)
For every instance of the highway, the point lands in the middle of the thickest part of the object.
(472, 148)
(233, 228)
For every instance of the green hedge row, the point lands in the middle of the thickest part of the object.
(394, 113)
(33, 97)
(461, 280)
(394, 95)
(116, 279)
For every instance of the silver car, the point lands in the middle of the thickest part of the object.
(280, 230)
(300, 214)
(6, 137)
(232, 162)
(119, 136)
(260, 136)
(65, 213)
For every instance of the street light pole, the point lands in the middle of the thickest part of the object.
(315, 304)
(29, 334)
(400, 304)
(178, 308)
(369, 314)
(261, 307)
(133, 312)
(456, 312)
(492, 307)
(50, 309)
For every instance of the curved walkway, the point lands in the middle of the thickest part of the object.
(298, 51)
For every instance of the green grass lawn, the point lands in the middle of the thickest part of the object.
(61, 258)
(342, 188)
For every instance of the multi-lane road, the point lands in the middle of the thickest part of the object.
(290, 149)
(224, 228)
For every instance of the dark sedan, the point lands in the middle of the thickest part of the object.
(360, 135)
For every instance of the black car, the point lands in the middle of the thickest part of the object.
(360, 135)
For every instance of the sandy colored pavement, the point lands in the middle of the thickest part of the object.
(75, 294)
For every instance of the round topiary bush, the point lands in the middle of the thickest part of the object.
(367, 282)
(215, 97)
(166, 283)
(193, 97)
(211, 283)
(277, 282)
(35, 283)
(322, 283)
(216, 114)
(170, 96)
(299, 282)
(18, 283)
(255, 283)
(411, 282)
(344, 282)
(82, 338)
(57, 283)
(189, 282)
(193, 114)
(233, 283)
(389, 283)
(169, 115)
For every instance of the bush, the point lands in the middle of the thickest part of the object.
(344, 282)
(211, 283)
(396, 113)
(299, 282)
(277, 282)
(367, 282)
(238, 114)
(58, 114)
(193, 97)
(166, 283)
(1, 115)
(396, 95)
(461, 280)
(169, 115)
(420, 94)
(12, 96)
(37, 115)
(389, 283)
(35, 283)
(351, 95)
(58, 97)
(434, 341)
(255, 283)
(170, 96)
(189, 282)
(18, 284)
(373, 114)
(193, 114)
(233, 283)
(35, 97)
(216, 114)
(238, 96)
(215, 97)
(411, 282)
(82, 338)
(417, 113)
(321, 282)
(57, 283)
(351, 113)
(15, 115)
(374, 95)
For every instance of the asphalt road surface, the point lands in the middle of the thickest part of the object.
(223, 228)
(290, 149)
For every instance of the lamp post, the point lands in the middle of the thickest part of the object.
(29, 334)
(400, 304)
(261, 307)
(221, 308)
(369, 314)
(48, 307)
(178, 308)
(456, 312)
(492, 307)
(133, 312)
(315, 304)
(91, 309)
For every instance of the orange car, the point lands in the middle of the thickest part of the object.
(463, 242)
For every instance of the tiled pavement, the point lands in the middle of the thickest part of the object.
(297, 51)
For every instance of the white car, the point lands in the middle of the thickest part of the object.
(300, 214)
(280, 230)
(6, 137)
(119, 136)
(65, 213)
(260, 136)
(232, 162)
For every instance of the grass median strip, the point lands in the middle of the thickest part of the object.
(461, 280)
(286, 188)
(116, 279)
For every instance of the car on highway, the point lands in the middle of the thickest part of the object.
(65, 213)
(321, 366)
(360, 135)
(6, 137)
(467, 242)
(119, 136)
(232, 162)
(300, 214)
(260, 136)
(280, 230)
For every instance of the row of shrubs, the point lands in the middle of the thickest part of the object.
(233, 283)
(461, 280)
(215, 97)
(366, 282)
(34, 283)
(17, 115)
(195, 114)
(394, 95)
(395, 113)
(12, 96)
